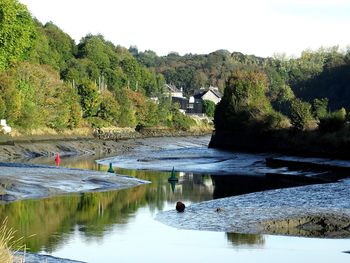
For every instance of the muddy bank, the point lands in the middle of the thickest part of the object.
(310, 211)
(101, 142)
(24, 181)
(19, 151)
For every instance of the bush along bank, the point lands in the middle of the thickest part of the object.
(248, 119)
(116, 134)
(289, 142)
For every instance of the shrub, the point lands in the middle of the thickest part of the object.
(333, 121)
(97, 122)
(209, 108)
(182, 122)
(300, 115)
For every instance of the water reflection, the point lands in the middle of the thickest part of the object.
(54, 220)
(246, 240)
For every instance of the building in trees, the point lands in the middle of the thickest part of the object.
(173, 91)
(211, 94)
(196, 101)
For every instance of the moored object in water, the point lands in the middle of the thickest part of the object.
(180, 207)
(110, 169)
(173, 176)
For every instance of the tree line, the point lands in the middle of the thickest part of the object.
(291, 88)
(46, 80)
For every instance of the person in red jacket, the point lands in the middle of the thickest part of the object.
(57, 159)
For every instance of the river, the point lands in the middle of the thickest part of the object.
(120, 226)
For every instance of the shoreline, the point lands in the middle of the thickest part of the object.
(100, 142)
(286, 142)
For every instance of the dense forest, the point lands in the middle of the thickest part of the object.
(47, 80)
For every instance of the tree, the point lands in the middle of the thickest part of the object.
(109, 108)
(35, 97)
(97, 50)
(209, 108)
(17, 32)
(89, 98)
(320, 107)
(244, 101)
(300, 114)
(126, 116)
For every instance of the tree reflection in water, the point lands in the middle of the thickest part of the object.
(54, 220)
(245, 240)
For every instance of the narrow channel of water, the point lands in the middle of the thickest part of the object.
(119, 226)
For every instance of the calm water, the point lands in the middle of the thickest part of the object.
(119, 226)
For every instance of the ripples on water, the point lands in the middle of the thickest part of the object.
(119, 226)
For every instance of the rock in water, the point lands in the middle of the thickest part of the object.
(180, 207)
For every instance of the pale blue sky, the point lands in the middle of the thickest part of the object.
(260, 27)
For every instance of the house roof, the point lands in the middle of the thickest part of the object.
(216, 93)
(200, 93)
(172, 88)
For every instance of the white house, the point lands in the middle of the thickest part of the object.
(211, 94)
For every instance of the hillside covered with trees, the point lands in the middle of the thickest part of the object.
(48, 80)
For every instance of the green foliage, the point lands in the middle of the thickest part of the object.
(35, 97)
(180, 121)
(96, 49)
(320, 108)
(109, 108)
(80, 71)
(17, 32)
(275, 120)
(300, 114)
(29, 96)
(97, 122)
(333, 121)
(52, 46)
(2, 108)
(126, 116)
(244, 101)
(89, 98)
(209, 108)
(152, 118)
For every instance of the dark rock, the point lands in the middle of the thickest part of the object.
(180, 207)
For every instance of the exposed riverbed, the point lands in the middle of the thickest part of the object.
(111, 226)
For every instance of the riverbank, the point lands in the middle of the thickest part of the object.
(106, 141)
(306, 144)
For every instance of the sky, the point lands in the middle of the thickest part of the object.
(259, 27)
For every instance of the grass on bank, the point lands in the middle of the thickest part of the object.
(8, 244)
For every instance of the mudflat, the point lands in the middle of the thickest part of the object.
(23, 181)
(320, 210)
